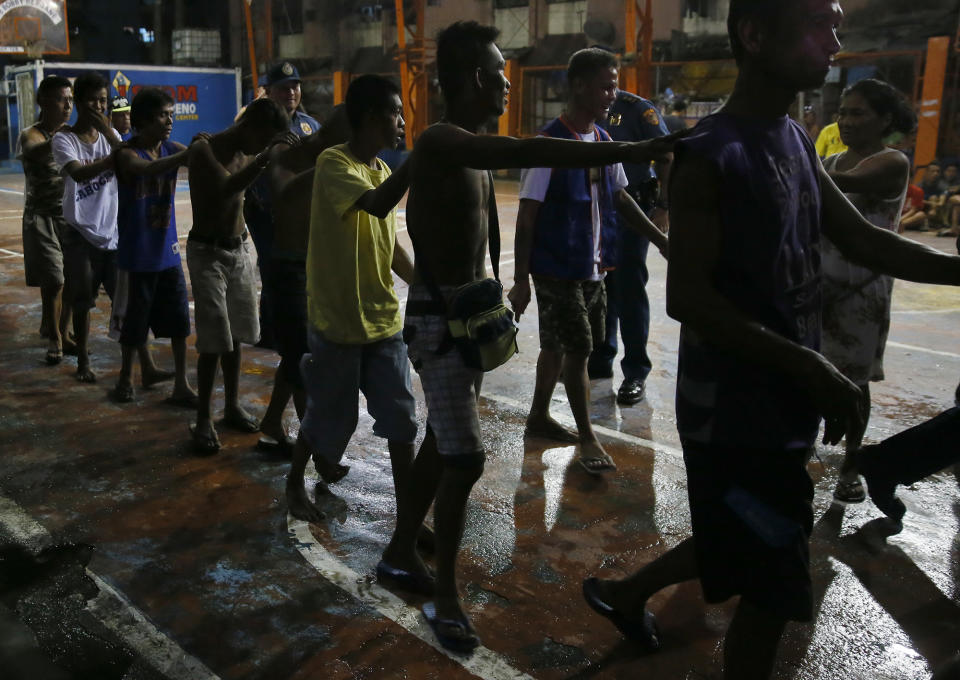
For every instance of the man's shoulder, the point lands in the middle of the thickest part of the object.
(303, 124)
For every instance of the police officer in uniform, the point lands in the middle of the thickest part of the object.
(282, 86)
(632, 119)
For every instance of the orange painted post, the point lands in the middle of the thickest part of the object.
(509, 123)
(404, 65)
(628, 72)
(341, 80)
(645, 53)
(931, 101)
(255, 76)
(268, 20)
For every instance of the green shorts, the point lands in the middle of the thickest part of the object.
(572, 314)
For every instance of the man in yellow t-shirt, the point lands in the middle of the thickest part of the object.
(829, 142)
(355, 327)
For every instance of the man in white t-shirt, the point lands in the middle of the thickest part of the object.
(84, 154)
(566, 237)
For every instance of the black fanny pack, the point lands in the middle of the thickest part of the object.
(479, 324)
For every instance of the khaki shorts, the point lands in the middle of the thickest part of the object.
(224, 286)
(572, 314)
(43, 249)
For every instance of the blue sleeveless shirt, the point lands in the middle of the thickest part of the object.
(147, 221)
(769, 268)
(563, 234)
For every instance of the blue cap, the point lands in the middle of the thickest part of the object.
(281, 73)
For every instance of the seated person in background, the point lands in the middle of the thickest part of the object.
(951, 177)
(677, 121)
(828, 141)
(913, 216)
(934, 192)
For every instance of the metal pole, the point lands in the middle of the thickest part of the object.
(254, 74)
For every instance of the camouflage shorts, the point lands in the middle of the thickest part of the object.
(572, 314)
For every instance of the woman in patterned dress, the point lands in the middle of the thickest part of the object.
(856, 301)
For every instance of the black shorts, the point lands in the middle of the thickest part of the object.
(85, 269)
(157, 301)
(287, 286)
(752, 515)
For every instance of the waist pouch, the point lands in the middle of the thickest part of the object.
(480, 326)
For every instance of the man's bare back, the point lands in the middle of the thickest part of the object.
(448, 211)
(215, 215)
(291, 209)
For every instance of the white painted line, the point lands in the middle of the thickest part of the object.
(564, 419)
(916, 348)
(484, 663)
(11, 217)
(11, 253)
(110, 607)
(949, 310)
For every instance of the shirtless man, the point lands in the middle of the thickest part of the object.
(448, 210)
(290, 180)
(219, 259)
(43, 223)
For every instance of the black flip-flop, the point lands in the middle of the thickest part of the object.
(461, 645)
(646, 631)
(186, 401)
(241, 423)
(406, 580)
(203, 444)
(268, 444)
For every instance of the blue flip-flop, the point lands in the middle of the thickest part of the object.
(406, 580)
(644, 631)
(462, 644)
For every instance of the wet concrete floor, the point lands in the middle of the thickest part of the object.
(204, 550)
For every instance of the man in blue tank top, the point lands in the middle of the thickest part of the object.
(153, 290)
(568, 226)
(750, 201)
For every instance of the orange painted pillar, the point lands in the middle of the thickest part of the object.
(341, 80)
(509, 123)
(253, 52)
(931, 102)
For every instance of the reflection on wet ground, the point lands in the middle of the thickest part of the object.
(203, 547)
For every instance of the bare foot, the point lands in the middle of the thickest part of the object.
(204, 435)
(331, 473)
(594, 459)
(85, 375)
(410, 562)
(236, 418)
(152, 377)
(548, 428)
(273, 429)
(300, 506)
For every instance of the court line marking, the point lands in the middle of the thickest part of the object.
(11, 253)
(949, 310)
(110, 606)
(483, 663)
(917, 348)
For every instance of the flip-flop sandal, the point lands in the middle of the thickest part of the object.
(203, 444)
(186, 401)
(54, 357)
(561, 434)
(596, 465)
(409, 581)
(850, 492)
(646, 631)
(156, 378)
(122, 394)
(463, 644)
(241, 423)
(268, 444)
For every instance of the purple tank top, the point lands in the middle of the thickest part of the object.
(769, 268)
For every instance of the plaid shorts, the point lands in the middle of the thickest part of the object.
(450, 388)
(572, 314)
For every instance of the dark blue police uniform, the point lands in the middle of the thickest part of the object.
(631, 119)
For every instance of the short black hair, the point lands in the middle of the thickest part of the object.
(265, 113)
(765, 12)
(368, 93)
(585, 63)
(51, 84)
(87, 83)
(147, 104)
(460, 49)
(884, 98)
(680, 105)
